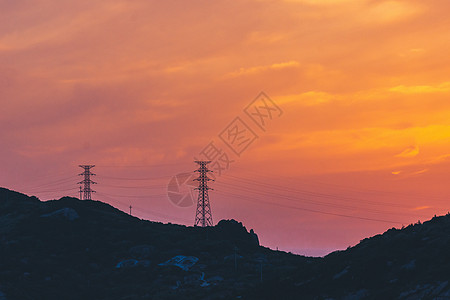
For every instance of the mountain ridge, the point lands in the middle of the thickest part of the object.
(73, 249)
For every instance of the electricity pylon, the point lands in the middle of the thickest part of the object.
(203, 216)
(87, 192)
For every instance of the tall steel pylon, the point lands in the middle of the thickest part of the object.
(203, 216)
(86, 191)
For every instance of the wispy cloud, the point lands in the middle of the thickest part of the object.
(391, 11)
(420, 89)
(422, 207)
(409, 152)
(323, 2)
(257, 69)
(420, 172)
(310, 98)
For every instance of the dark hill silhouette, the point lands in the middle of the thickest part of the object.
(409, 263)
(72, 249)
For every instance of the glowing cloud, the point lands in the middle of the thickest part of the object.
(409, 152)
(421, 207)
(420, 89)
(391, 11)
(420, 172)
(324, 2)
(307, 99)
(257, 69)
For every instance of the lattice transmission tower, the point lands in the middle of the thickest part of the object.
(86, 190)
(203, 216)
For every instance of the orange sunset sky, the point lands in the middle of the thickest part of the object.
(139, 88)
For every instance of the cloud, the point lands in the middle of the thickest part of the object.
(422, 89)
(422, 207)
(258, 69)
(391, 11)
(310, 98)
(420, 172)
(324, 2)
(439, 159)
(409, 152)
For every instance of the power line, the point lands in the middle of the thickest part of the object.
(310, 193)
(296, 199)
(54, 191)
(146, 187)
(310, 210)
(137, 179)
(152, 212)
(132, 196)
(52, 183)
(321, 184)
(139, 166)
